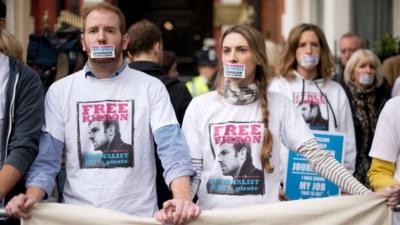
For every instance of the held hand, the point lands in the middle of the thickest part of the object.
(19, 206)
(392, 194)
(177, 211)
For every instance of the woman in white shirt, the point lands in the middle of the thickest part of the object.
(237, 130)
(306, 67)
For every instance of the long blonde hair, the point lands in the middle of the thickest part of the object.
(10, 46)
(288, 61)
(262, 74)
(363, 55)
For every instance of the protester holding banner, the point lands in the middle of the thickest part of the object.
(385, 149)
(241, 111)
(363, 83)
(21, 116)
(305, 69)
(119, 176)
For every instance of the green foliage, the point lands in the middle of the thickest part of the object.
(386, 46)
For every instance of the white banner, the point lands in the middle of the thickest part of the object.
(344, 210)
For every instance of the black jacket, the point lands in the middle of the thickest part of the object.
(178, 93)
(382, 94)
(180, 99)
(23, 120)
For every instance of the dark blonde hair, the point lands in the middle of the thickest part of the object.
(256, 43)
(288, 61)
(107, 7)
(363, 55)
(10, 46)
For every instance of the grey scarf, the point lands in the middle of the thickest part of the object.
(239, 95)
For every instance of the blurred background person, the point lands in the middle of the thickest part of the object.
(391, 71)
(348, 43)
(145, 50)
(169, 64)
(10, 46)
(364, 87)
(273, 53)
(207, 68)
(3, 11)
(396, 87)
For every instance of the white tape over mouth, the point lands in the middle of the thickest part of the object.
(309, 60)
(366, 78)
(234, 70)
(102, 51)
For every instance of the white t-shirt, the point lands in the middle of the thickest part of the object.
(4, 71)
(212, 125)
(396, 87)
(123, 177)
(386, 143)
(314, 106)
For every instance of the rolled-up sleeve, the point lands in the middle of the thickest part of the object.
(47, 164)
(173, 152)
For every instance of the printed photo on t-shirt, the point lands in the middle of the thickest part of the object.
(237, 167)
(314, 109)
(105, 133)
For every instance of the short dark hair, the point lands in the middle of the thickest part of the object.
(143, 36)
(238, 146)
(3, 10)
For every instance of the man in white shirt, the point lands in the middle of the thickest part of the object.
(144, 113)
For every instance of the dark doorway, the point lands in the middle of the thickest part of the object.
(184, 25)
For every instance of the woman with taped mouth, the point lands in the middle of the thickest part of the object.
(305, 69)
(365, 87)
(241, 111)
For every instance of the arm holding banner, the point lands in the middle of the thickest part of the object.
(40, 178)
(180, 209)
(20, 205)
(320, 160)
(328, 167)
(381, 174)
(385, 148)
(324, 164)
(173, 152)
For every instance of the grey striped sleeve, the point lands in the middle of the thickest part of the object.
(325, 165)
(195, 180)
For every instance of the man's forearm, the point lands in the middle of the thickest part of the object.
(180, 188)
(9, 176)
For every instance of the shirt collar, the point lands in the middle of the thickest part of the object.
(88, 71)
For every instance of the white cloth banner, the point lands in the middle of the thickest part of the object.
(344, 210)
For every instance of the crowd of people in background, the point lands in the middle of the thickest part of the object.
(167, 148)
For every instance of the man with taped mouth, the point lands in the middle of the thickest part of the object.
(108, 88)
